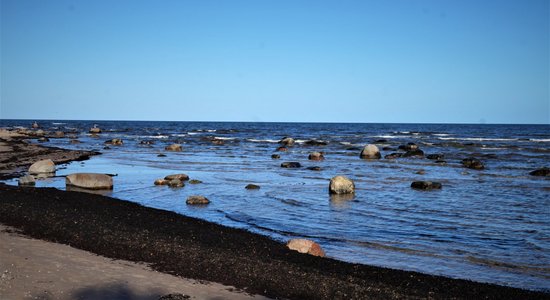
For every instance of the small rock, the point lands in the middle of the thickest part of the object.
(194, 181)
(173, 147)
(114, 142)
(197, 200)
(370, 151)
(414, 153)
(305, 246)
(540, 172)
(316, 156)
(147, 142)
(42, 166)
(314, 168)
(316, 143)
(275, 156)
(472, 163)
(291, 164)
(287, 141)
(420, 172)
(282, 149)
(161, 182)
(409, 147)
(341, 185)
(425, 185)
(393, 155)
(27, 180)
(180, 177)
(95, 130)
(43, 139)
(175, 183)
(435, 156)
(252, 187)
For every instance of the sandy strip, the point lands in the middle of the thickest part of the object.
(36, 269)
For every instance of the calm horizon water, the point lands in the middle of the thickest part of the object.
(490, 225)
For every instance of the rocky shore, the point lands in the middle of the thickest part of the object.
(196, 249)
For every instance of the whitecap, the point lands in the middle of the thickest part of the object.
(262, 141)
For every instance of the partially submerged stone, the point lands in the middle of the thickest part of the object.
(42, 166)
(27, 180)
(252, 187)
(161, 182)
(341, 185)
(291, 164)
(181, 177)
(425, 185)
(540, 172)
(173, 147)
(306, 246)
(197, 200)
(92, 181)
(370, 151)
(316, 156)
(175, 183)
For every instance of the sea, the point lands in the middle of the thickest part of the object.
(490, 225)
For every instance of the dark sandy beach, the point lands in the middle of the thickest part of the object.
(196, 249)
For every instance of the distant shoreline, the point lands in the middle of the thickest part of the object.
(197, 249)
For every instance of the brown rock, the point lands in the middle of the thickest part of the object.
(316, 156)
(161, 182)
(197, 200)
(305, 246)
(180, 177)
(173, 147)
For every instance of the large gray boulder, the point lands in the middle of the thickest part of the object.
(92, 181)
(42, 166)
(370, 151)
(341, 185)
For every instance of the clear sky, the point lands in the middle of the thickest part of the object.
(303, 61)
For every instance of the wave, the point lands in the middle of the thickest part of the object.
(55, 123)
(154, 136)
(477, 139)
(224, 138)
(262, 141)
(540, 140)
(390, 136)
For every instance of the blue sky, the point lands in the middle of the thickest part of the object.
(299, 61)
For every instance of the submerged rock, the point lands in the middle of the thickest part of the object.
(173, 147)
(252, 187)
(291, 164)
(42, 166)
(316, 143)
(27, 180)
(275, 156)
(194, 181)
(314, 168)
(425, 185)
(316, 156)
(414, 153)
(197, 200)
(341, 185)
(409, 147)
(370, 151)
(114, 142)
(435, 156)
(175, 183)
(282, 149)
(540, 172)
(92, 181)
(43, 139)
(473, 163)
(393, 155)
(161, 182)
(305, 246)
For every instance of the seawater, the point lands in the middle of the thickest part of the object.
(491, 225)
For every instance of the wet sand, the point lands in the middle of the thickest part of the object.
(190, 248)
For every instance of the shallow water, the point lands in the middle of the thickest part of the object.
(491, 225)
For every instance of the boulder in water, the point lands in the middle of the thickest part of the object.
(27, 180)
(540, 172)
(252, 187)
(425, 185)
(180, 177)
(291, 164)
(197, 200)
(370, 151)
(341, 185)
(173, 147)
(305, 246)
(42, 166)
(175, 183)
(275, 156)
(473, 163)
(114, 142)
(161, 182)
(316, 156)
(414, 153)
(95, 130)
(92, 181)
(287, 141)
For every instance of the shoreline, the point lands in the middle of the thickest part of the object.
(197, 249)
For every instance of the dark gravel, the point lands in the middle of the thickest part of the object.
(197, 249)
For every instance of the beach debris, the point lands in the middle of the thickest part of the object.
(341, 185)
(426, 185)
(473, 163)
(282, 149)
(370, 151)
(252, 187)
(414, 153)
(540, 172)
(173, 147)
(316, 156)
(287, 141)
(194, 181)
(42, 166)
(305, 246)
(275, 156)
(114, 142)
(27, 180)
(291, 164)
(95, 129)
(180, 177)
(175, 183)
(161, 182)
(435, 156)
(91, 181)
(197, 200)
